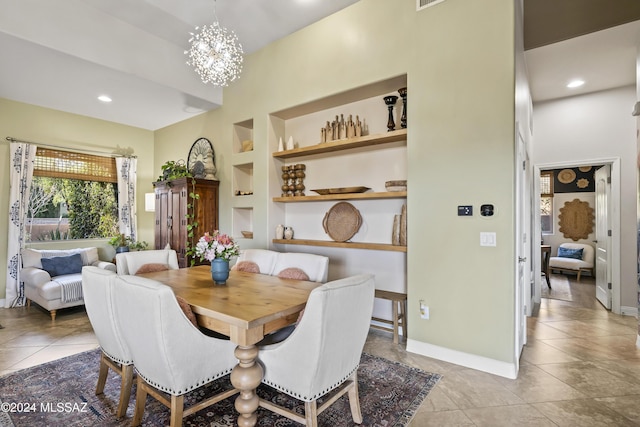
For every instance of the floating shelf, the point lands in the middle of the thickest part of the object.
(346, 245)
(347, 196)
(344, 144)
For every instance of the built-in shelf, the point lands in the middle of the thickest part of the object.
(348, 196)
(344, 144)
(346, 245)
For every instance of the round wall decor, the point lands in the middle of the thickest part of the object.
(342, 221)
(566, 176)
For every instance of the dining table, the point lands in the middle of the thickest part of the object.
(245, 309)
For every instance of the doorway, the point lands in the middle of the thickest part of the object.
(613, 218)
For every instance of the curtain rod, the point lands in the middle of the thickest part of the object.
(81, 150)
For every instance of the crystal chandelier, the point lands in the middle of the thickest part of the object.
(215, 54)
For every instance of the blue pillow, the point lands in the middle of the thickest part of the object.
(59, 265)
(570, 253)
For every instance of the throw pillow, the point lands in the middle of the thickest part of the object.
(570, 253)
(59, 265)
(293, 273)
(186, 309)
(152, 268)
(248, 266)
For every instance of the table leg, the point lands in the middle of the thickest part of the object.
(246, 377)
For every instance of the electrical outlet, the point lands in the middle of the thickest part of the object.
(424, 310)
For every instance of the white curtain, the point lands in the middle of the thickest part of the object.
(127, 175)
(20, 175)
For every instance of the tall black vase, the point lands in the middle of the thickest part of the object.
(403, 118)
(390, 101)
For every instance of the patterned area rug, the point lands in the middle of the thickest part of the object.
(560, 288)
(62, 393)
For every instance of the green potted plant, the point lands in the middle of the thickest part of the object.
(124, 243)
(174, 169)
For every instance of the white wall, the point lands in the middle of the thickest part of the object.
(589, 127)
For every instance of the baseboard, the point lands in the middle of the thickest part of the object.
(629, 311)
(2, 302)
(480, 363)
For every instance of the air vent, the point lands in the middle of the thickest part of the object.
(423, 4)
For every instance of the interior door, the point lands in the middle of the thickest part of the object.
(523, 262)
(603, 236)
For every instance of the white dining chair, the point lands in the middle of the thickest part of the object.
(315, 266)
(97, 284)
(323, 353)
(170, 354)
(264, 258)
(132, 262)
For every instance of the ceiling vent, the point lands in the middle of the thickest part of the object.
(423, 4)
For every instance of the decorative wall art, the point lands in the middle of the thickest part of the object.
(201, 160)
(576, 220)
(575, 180)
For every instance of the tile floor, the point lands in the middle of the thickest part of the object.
(579, 368)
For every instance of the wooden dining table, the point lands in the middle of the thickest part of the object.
(246, 308)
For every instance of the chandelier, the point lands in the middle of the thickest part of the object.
(215, 54)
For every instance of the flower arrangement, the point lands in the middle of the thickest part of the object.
(216, 245)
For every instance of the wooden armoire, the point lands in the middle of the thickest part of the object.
(172, 206)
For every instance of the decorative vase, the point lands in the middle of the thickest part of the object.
(219, 271)
(279, 231)
(290, 144)
(121, 249)
(403, 118)
(390, 101)
(288, 233)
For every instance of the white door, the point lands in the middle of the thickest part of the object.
(523, 257)
(603, 236)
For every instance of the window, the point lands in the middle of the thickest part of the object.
(546, 202)
(73, 196)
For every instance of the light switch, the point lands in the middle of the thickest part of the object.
(487, 239)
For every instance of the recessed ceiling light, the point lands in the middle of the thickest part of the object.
(575, 83)
(104, 98)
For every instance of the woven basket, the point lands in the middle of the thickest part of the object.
(342, 221)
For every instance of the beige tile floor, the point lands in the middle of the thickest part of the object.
(579, 368)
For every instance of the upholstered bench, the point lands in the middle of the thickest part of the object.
(573, 257)
(53, 278)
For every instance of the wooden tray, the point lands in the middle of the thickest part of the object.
(342, 221)
(341, 190)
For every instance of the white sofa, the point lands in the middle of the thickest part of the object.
(63, 287)
(574, 265)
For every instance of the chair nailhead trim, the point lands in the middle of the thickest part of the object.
(315, 396)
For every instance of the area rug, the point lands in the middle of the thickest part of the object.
(62, 393)
(560, 288)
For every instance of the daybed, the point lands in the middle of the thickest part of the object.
(573, 257)
(53, 278)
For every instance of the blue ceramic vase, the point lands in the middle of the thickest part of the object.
(219, 271)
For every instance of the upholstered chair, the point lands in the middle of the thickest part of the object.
(97, 285)
(137, 262)
(169, 353)
(264, 258)
(315, 266)
(323, 353)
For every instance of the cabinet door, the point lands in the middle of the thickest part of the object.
(162, 214)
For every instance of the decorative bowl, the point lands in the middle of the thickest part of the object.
(247, 234)
(396, 185)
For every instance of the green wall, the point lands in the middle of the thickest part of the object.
(459, 60)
